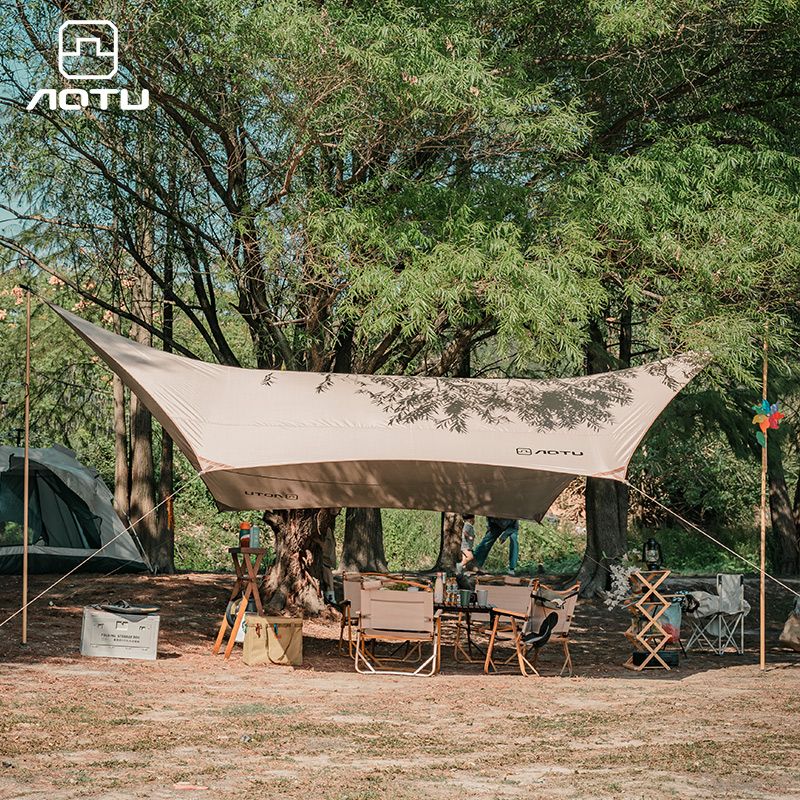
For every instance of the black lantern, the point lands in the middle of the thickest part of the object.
(651, 554)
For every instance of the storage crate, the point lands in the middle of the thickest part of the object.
(111, 635)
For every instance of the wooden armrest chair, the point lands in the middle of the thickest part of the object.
(512, 596)
(350, 607)
(400, 618)
(511, 603)
(562, 603)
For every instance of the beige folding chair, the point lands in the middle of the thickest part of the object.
(511, 604)
(563, 603)
(506, 592)
(400, 618)
(350, 606)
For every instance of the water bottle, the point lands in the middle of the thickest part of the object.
(438, 589)
(254, 536)
(244, 534)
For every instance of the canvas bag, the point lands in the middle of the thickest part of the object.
(274, 640)
(255, 640)
(285, 640)
(790, 635)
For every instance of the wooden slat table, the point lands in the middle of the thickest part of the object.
(246, 585)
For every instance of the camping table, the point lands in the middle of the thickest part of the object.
(247, 583)
(647, 604)
(466, 611)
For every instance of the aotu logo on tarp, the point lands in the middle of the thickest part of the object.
(528, 451)
(88, 50)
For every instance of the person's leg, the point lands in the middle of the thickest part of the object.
(513, 551)
(482, 550)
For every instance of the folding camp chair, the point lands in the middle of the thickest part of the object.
(398, 617)
(350, 606)
(511, 610)
(718, 621)
(506, 592)
(562, 603)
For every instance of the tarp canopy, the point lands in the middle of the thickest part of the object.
(71, 515)
(277, 439)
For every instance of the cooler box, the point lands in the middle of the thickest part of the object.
(111, 635)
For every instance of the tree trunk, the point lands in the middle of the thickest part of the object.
(166, 486)
(606, 532)
(142, 502)
(122, 475)
(143, 484)
(295, 579)
(606, 500)
(362, 550)
(166, 472)
(449, 542)
(784, 530)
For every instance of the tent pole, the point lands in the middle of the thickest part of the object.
(762, 610)
(26, 479)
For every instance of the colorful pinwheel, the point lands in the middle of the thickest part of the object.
(767, 416)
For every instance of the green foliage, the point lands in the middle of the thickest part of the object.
(688, 552)
(387, 187)
(203, 534)
(411, 542)
(410, 538)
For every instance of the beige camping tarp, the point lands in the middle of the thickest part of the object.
(276, 439)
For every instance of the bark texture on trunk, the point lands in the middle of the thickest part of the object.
(166, 486)
(362, 550)
(606, 500)
(122, 475)
(449, 542)
(606, 532)
(295, 579)
(160, 550)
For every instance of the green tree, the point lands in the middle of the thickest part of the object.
(322, 159)
(383, 188)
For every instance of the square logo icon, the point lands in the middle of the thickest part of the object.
(88, 49)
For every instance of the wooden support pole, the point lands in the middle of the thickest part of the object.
(762, 610)
(26, 478)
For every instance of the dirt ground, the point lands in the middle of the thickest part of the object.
(79, 727)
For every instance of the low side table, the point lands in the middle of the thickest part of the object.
(247, 584)
(647, 604)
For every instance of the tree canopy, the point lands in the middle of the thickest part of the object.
(402, 187)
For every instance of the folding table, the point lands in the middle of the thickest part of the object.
(246, 583)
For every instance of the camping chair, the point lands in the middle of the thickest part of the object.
(523, 642)
(502, 592)
(401, 618)
(350, 606)
(717, 620)
(511, 604)
(562, 603)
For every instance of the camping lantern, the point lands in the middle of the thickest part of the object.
(651, 554)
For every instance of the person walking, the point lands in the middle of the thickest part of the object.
(467, 541)
(499, 529)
